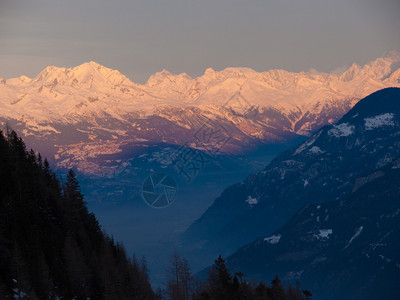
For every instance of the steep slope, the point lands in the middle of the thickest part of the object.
(321, 169)
(50, 246)
(347, 248)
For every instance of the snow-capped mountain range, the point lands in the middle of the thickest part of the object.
(70, 109)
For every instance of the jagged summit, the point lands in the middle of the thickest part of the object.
(351, 72)
(379, 69)
(86, 75)
(163, 78)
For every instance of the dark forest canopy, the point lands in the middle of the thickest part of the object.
(50, 245)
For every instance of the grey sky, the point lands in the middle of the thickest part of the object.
(142, 37)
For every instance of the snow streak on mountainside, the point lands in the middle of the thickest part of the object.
(92, 103)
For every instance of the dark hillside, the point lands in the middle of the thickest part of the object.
(50, 245)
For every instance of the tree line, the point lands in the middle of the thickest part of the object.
(222, 285)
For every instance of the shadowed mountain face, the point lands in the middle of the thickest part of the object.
(324, 168)
(347, 248)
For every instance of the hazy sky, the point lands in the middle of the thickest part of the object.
(142, 37)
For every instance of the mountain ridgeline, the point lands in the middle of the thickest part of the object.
(62, 110)
(324, 168)
(51, 247)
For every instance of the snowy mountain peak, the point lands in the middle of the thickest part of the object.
(165, 78)
(378, 69)
(239, 72)
(209, 71)
(158, 78)
(22, 80)
(209, 75)
(87, 75)
(394, 78)
(351, 72)
(49, 74)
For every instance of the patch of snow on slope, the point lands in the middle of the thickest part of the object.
(379, 121)
(251, 201)
(307, 143)
(341, 130)
(163, 156)
(117, 131)
(323, 234)
(356, 234)
(274, 239)
(315, 150)
(34, 126)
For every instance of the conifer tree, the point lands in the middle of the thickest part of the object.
(278, 291)
(220, 280)
(74, 203)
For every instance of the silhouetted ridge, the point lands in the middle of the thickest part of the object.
(383, 101)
